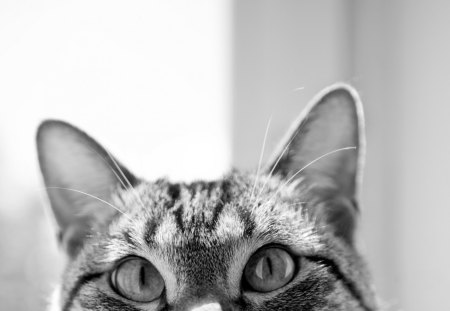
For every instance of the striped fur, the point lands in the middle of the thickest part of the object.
(200, 236)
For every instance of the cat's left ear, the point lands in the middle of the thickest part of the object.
(80, 178)
(325, 149)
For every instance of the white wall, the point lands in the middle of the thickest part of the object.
(149, 79)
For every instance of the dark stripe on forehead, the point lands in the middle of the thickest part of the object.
(193, 188)
(225, 197)
(127, 236)
(178, 213)
(216, 213)
(200, 186)
(174, 191)
(247, 220)
(82, 280)
(151, 226)
(173, 194)
(226, 194)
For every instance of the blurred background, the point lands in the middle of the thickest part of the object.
(185, 89)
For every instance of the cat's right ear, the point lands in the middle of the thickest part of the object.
(324, 150)
(80, 177)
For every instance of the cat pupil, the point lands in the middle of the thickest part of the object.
(142, 276)
(269, 265)
(264, 268)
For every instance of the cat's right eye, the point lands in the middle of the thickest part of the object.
(137, 279)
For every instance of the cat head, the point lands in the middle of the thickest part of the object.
(278, 239)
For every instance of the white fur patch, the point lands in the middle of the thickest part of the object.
(229, 225)
(166, 232)
(208, 307)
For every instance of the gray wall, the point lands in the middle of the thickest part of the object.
(397, 54)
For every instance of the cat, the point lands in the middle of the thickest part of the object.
(281, 238)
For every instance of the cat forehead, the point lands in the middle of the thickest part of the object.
(215, 212)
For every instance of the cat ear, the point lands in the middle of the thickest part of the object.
(325, 149)
(80, 177)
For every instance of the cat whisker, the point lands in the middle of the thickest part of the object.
(110, 167)
(92, 196)
(126, 187)
(130, 186)
(260, 159)
(286, 183)
(273, 169)
(301, 88)
(317, 159)
(281, 156)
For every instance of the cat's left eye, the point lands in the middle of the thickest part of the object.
(137, 279)
(269, 269)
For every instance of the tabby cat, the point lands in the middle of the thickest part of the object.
(281, 238)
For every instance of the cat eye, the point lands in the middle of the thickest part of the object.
(137, 279)
(269, 269)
